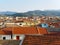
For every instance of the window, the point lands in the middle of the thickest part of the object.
(44, 24)
(4, 38)
(20, 24)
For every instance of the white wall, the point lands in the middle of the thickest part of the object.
(21, 23)
(8, 37)
(20, 36)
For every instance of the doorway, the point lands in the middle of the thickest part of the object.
(17, 38)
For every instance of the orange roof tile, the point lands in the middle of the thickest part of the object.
(24, 30)
(42, 30)
(29, 30)
(7, 28)
(2, 32)
(6, 31)
(47, 39)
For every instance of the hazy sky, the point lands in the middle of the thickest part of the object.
(28, 5)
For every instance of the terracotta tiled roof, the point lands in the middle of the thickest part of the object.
(7, 29)
(29, 30)
(42, 30)
(48, 39)
(58, 22)
(25, 30)
(55, 24)
(2, 32)
(1, 20)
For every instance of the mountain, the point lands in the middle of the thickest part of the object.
(34, 13)
(7, 13)
(45, 13)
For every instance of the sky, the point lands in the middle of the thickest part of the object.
(29, 5)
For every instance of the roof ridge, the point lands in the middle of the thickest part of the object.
(38, 30)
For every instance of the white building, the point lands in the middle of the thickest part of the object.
(4, 35)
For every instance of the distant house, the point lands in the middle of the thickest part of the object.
(2, 25)
(21, 24)
(44, 25)
(6, 33)
(54, 25)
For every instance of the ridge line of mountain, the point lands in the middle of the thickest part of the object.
(32, 13)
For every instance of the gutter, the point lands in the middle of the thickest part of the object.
(22, 40)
